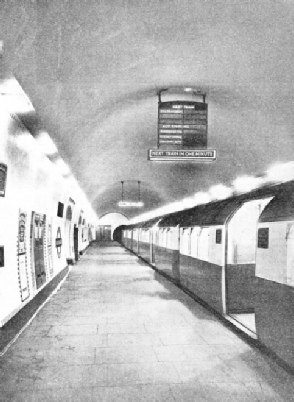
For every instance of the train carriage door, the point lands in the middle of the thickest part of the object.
(37, 244)
(240, 281)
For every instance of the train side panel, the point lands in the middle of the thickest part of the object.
(201, 263)
(274, 313)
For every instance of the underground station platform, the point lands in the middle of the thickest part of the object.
(116, 330)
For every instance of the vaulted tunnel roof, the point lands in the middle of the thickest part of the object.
(93, 68)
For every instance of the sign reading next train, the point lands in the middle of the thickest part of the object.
(202, 155)
(182, 123)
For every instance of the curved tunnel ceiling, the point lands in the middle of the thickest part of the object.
(92, 70)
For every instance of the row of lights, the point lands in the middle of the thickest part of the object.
(280, 172)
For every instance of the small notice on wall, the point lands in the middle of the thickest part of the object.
(3, 176)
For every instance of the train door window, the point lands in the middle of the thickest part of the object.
(160, 234)
(218, 236)
(242, 232)
(185, 245)
(166, 237)
(290, 254)
(171, 238)
(161, 237)
(194, 241)
(203, 244)
(145, 235)
(157, 237)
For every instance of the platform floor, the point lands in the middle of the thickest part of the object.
(118, 331)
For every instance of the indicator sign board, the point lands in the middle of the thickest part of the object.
(200, 155)
(182, 123)
(130, 204)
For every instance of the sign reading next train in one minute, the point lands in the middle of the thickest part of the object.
(182, 123)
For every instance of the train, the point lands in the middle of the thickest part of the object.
(46, 222)
(235, 255)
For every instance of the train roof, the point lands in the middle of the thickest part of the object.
(216, 212)
(281, 208)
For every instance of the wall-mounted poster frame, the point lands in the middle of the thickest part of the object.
(3, 179)
(22, 261)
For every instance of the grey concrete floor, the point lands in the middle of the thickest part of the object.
(118, 331)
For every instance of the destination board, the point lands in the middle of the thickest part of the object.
(182, 123)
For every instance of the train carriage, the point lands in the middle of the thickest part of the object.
(237, 256)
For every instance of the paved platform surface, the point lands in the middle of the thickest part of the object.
(118, 331)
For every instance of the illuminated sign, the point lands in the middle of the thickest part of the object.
(182, 123)
(138, 204)
(200, 155)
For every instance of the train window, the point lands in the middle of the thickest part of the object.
(60, 209)
(185, 245)
(1, 256)
(218, 236)
(3, 176)
(203, 244)
(172, 237)
(263, 238)
(194, 241)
